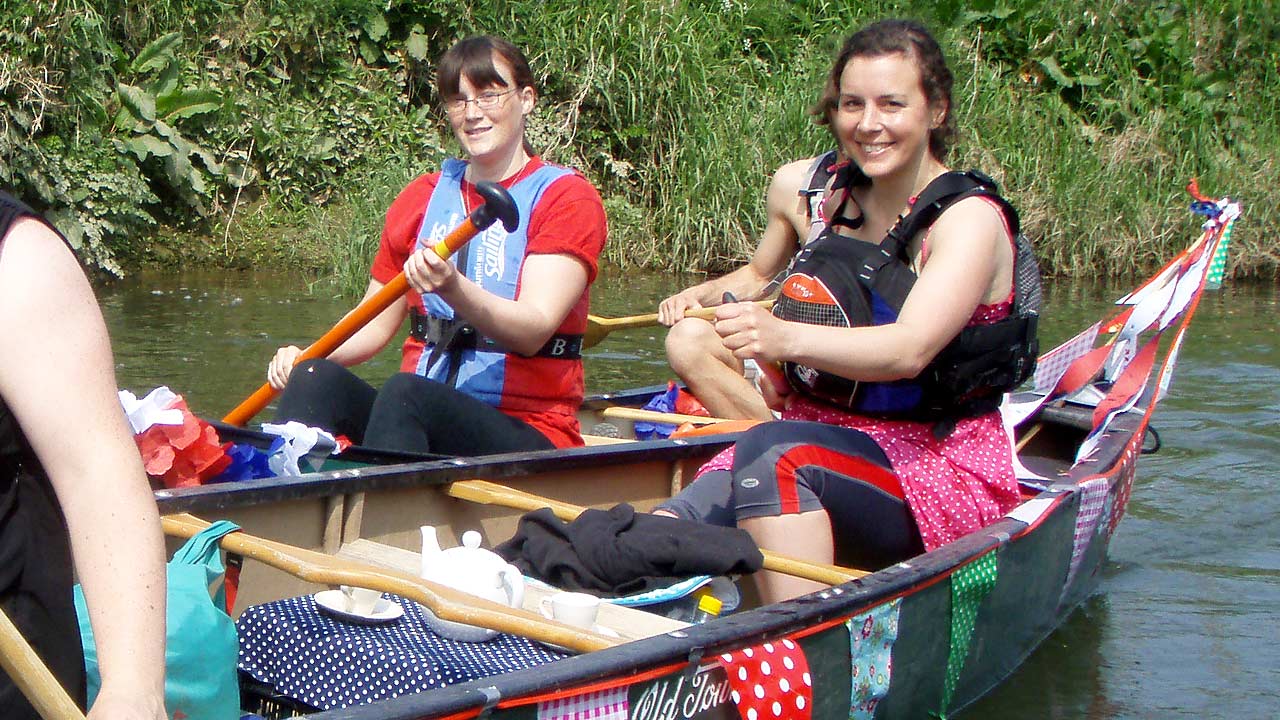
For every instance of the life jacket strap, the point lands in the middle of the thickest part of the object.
(448, 335)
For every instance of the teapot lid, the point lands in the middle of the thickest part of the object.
(469, 558)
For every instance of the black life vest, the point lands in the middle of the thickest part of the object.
(840, 281)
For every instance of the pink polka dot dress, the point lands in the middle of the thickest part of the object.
(953, 486)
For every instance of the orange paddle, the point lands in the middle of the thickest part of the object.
(498, 205)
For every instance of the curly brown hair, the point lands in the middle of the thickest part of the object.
(888, 37)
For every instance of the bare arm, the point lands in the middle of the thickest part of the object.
(367, 342)
(58, 377)
(970, 262)
(778, 243)
(550, 285)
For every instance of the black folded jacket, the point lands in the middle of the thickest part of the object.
(622, 552)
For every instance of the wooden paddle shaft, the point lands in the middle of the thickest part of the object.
(351, 324)
(445, 602)
(617, 412)
(490, 493)
(32, 676)
(599, 327)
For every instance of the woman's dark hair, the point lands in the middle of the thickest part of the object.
(472, 58)
(888, 37)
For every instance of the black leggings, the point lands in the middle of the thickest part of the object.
(791, 467)
(409, 414)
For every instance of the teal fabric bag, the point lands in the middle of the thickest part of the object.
(201, 647)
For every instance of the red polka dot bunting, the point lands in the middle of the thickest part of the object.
(770, 681)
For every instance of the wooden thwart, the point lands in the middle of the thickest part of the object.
(445, 602)
(490, 493)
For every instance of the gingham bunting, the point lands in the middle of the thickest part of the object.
(602, 705)
(1093, 498)
(1053, 365)
(1128, 468)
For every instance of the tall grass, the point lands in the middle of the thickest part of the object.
(1092, 115)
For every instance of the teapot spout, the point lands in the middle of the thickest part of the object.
(430, 547)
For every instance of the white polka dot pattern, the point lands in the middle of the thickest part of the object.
(323, 662)
(769, 681)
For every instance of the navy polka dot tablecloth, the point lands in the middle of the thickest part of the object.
(311, 656)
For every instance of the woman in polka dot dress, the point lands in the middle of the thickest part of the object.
(892, 488)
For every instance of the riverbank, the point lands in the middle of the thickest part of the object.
(174, 131)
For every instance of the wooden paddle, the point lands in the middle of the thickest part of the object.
(498, 205)
(32, 676)
(619, 412)
(600, 327)
(490, 493)
(445, 602)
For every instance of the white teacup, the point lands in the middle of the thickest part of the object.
(360, 601)
(572, 608)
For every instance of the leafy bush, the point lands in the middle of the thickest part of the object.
(296, 119)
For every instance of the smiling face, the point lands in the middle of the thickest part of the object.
(493, 136)
(882, 116)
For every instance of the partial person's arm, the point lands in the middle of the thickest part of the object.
(58, 377)
(367, 342)
(567, 231)
(550, 286)
(778, 244)
(969, 263)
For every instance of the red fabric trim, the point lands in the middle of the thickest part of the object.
(805, 455)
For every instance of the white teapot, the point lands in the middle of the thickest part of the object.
(471, 569)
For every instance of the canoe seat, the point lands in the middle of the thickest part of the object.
(629, 623)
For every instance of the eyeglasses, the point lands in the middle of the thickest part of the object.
(483, 101)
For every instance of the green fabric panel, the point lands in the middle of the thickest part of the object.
(1218, 265)
(969, 586)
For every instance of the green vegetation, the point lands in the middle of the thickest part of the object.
(277, 131)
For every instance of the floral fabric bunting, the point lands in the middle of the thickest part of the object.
(871, 639)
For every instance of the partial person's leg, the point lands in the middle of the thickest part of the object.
(712, 373)
(709, 499)
(792, 479)
(414, 414)
(321, 393)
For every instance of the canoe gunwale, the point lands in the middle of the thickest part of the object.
(212, 498)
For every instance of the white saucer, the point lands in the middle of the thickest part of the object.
(334, 603)
(598, 629)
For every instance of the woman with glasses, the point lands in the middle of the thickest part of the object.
(896, 338)
(493, 360)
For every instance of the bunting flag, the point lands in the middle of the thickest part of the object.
(970, 585)
(1093, 499)
(1128, 463)
(1218, 266)
(770, 681)
(1053, 365)
(871, 638)
(602, 705)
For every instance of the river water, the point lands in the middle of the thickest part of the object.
(1184, 623)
